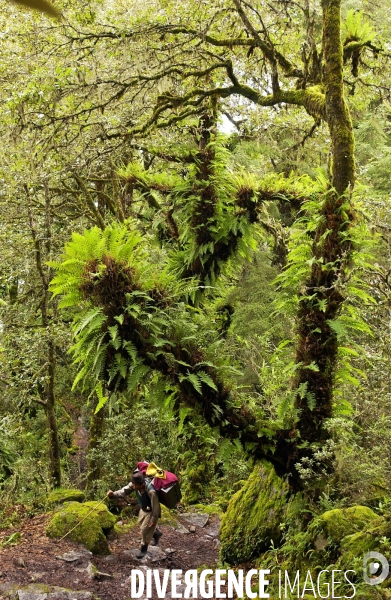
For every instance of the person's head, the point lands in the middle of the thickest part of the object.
(138, 480)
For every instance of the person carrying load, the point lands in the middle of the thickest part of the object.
(150, 511)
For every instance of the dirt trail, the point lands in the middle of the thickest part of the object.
(34, 560)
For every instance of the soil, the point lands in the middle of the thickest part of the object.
(34, 558)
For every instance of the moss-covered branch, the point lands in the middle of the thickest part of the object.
(132, 324)
(252, 41)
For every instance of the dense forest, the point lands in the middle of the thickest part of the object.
(195, 224)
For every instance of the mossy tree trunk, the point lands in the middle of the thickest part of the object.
(46, 391)
(204, 213)
(322, 298)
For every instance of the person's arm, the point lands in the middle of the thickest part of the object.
(155, 508)
(125, 491)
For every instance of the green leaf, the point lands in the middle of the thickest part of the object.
(337, 326)
(205, 378)
(312, 367)
(101, 398)
(194, 380)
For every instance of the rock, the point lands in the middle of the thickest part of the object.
(171, 521)
(27, 595)
(320, 542)
(154, 554)
(181, 529)
(20, 562)
(91, 570)
(110, 558)
(199, 519)
(157, 553)
(63, 594)
(169, 550)
(35, 576)
(74, 555)
(192, 529)
(36, 591)
(252, 519)
(94, 573)
(180, 589)
(90, 530)
(59, 496)
(213, 530)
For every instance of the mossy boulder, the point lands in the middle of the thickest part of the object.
(357, 544)
(340, 522)
(60, 496)
(91, 532)
(253, 517)
(350, 534)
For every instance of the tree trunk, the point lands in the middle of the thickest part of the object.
(337, 111)
(97, 423)
(322, 299)
(47, 395)
(54, 446)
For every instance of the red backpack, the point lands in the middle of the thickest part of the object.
(164, 482)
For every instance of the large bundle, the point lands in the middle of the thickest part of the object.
(165, 483)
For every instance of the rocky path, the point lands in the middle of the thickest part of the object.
(38, 568)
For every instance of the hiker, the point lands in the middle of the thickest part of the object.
(149, 509)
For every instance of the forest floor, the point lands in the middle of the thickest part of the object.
(30, 569)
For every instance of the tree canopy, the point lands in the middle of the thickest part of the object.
(195, 222)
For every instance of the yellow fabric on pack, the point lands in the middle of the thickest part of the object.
(154, 471)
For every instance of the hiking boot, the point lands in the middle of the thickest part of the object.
(143, 551)
(156, 537)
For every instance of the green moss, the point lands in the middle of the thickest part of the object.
(168, 518)
(10, 591)
(357, 544)
(253, 516)
(210, 509)
(90, 532)
(124, 527)
(340, 522)
(193, 490)
(63, 495)
(37, 588)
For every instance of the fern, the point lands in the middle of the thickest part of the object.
(205, 378)
(194, 380)
(354, 27)
(102, 400)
